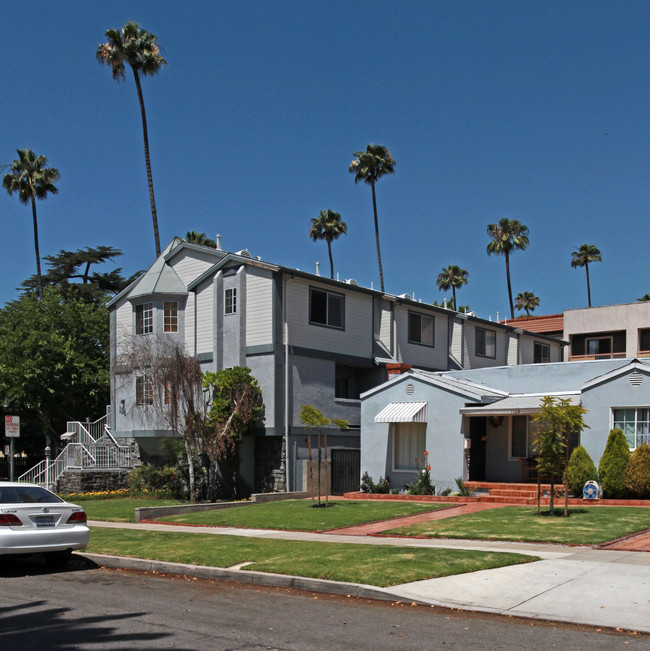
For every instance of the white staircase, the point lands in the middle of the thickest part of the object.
(89, 445)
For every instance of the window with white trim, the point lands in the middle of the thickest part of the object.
(635, 423)
(326, 308)
(541, 353)
(143, 390)
(144, 319)
(170, 316)
(421, 329)
(485, 344)
(230, 301)
(409, 444)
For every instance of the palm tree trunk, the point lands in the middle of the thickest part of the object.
(374, 208)
(145, 133)
(588, 287)
(453, 293)
(329, 251)
(512, 307)
(39, 280)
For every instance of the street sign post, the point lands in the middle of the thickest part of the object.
(12, 431)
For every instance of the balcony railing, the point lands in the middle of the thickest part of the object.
(582, 358)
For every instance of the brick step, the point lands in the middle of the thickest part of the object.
(513, 493)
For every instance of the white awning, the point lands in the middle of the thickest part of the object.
(524, 404)
(403, 412)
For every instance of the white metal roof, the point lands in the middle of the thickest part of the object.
(403, 412)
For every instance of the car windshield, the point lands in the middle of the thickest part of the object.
(26, 495)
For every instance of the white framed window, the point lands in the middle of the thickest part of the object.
(144, 319)
(635, 423)
(409, 444)
(421, 329)
(230, 301)
(518, 444)
(170, 316)
(143, 390)
(485, 344)
(326, 308)
(541, 353)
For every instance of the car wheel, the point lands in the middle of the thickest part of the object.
(58, 559)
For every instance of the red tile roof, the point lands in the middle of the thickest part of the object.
(546, 324)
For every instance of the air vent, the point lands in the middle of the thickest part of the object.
(410, 389)
(636, 378)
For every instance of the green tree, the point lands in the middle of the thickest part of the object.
(582, 257)
(556, 418)
(327, 226)
(581, 470)
(313, 418)
(644, 298)
(31, 177)
(637, 472)
(452, 277)
(613, 463)
(199, 238)
(54, 363)
(507, 236)
(369, 166)
(526, 301)
(139, 49)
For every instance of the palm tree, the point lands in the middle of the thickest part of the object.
(327, 226)
(582, 257)
(527, 301)
(30, 176)
(199, 238)
(450, 278)
(508, 235)
(369, 166)
(139, 48)
(644, 298)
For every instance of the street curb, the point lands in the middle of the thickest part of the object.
(243, 576)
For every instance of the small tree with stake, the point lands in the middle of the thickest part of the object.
(556, 418)
(313, 418)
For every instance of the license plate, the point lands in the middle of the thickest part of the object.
(44, 521)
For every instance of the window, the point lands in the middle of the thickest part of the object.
(230, 302)
(171, 316)
(519, 437)
(420, 329)
(143, 390)
(542, 353)
(599, 346)
(326, 308)
(635, 423)
(409, 441)
(486, 343)
(144, 319)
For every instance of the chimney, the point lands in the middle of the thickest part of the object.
(318, 268)
(218, 241)
(398, 368)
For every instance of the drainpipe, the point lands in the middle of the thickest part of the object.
(285, 332)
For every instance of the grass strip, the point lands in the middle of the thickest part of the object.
(299, 515)
(585, 526)
(120, 509)
(378, 565)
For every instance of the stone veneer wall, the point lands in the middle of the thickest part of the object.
(92, 481)
(269, 464)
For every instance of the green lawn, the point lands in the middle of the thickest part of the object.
(377, 565)
(121, 509)
(299, 515)
(589, 526)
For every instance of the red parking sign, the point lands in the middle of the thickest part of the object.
(12, 426)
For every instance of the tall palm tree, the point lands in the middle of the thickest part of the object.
(507, 236)
(369, 166)
(582, 257)
(327, 226)
(450, 278)
(199, 238)
(30, 176)
(527, 301)
(139, 48)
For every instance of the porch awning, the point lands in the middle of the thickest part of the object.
(524, 404)
(403, 412)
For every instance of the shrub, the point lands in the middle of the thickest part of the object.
(613, 463)
(581, 470)
(422, 484)
(463, 491)
(369, 486)
(637, 472)
(149, 478)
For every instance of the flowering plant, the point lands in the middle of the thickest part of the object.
(422, 484)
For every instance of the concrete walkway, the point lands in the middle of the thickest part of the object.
(598, 587)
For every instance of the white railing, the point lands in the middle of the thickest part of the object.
(74, 455)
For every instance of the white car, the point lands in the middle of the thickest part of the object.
(35, 521)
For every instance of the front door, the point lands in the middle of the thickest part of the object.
(477, 436)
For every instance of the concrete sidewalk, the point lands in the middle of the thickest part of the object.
(580, 585)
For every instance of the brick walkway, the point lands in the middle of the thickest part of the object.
(634, 543)
(377, 527)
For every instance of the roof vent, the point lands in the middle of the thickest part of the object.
(245, 253)
(410, 389)
(636, 378)
(407, 296)
(352, 281)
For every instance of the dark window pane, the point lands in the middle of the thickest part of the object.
(335, 310)
(318, 307)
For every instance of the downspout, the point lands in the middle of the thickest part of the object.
(285, 333)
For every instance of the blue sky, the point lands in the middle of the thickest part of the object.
(538, 111)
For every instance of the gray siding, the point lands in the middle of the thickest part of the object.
(189, 266)
(204, 318)
(418, 355)
(259, 307)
